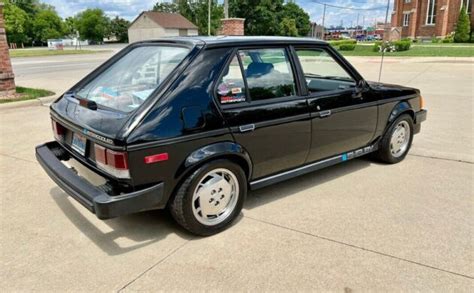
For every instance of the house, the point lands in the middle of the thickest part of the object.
(152, 25)
(425, 19)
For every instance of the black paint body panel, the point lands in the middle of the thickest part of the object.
(184, 119)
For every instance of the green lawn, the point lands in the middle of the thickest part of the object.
(28, 94)
(45, 52)
(417, 51)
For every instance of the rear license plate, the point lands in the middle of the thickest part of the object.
(79, 143)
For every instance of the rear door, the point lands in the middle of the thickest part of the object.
(259, 95)
(343, 112)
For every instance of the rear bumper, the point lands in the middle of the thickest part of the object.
(420, 116)
(94, 199)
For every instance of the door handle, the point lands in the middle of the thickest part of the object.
(324, 114)
(247, 128)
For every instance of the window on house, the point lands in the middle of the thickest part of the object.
(406, 19)
(467, 4)
(407, 1)
(431, 12)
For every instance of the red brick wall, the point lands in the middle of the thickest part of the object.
(7, 83)
(232, 27)
(447, 13)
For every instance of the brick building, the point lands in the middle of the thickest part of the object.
(428, 18)
(7, 82)
(232, 27)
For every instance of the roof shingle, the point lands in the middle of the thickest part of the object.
(169, 20)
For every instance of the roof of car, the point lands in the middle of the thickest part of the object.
(240, 40)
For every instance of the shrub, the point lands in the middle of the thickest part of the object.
(463, 27)
(376, 47)
(380, 46)
(435, 40)
(347, 47)
(342, 42)
(402, 45)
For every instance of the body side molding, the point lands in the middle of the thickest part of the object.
(259, 183)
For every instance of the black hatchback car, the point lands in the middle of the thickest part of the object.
(191, 124)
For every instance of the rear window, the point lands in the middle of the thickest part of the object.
(131, 80)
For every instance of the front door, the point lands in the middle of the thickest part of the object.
(260, 101)
(344, 115)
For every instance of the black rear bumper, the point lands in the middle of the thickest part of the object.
(94, 199)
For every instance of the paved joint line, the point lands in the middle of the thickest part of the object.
(362, 248)
(444, 159)
(16, 158)
(153, 266)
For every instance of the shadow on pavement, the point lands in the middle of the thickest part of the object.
(143, 228)
(150, 227)
(289, 187)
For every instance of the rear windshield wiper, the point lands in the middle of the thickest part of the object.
(82, 101)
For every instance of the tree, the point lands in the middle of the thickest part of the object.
(47, 25)
(196, 12)
(301, 18)
(199, 11)
(271, 17)
(166, 7)
(463, 27)
(119, 29)
(261, 17)
(288, 27)
(92, 24)
(15, 23)
(70, 26)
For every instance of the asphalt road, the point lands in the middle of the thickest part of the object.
(57, 73)
(352, 227)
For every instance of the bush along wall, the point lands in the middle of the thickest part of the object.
(347, 47)
(396, 46)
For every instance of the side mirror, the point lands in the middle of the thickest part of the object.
(359, 89)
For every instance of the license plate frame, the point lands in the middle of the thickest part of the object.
(79, 143)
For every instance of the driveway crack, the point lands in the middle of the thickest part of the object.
(362, 248)
(153, 266)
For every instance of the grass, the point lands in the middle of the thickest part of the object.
(28, 94)
(45, 52)
(416, 51)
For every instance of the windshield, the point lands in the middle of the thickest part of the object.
(131, 80)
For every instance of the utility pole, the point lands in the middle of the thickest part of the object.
(383, 44)
(209, 19)
(324, 18)
(226, 8)
(357, 25)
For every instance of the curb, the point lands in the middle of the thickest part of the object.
(28, 103)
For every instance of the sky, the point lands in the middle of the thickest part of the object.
(129, 9)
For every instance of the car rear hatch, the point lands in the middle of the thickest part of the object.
(92, 120)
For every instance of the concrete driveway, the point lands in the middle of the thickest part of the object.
(352, 227)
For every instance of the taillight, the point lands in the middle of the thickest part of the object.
(422, 103)
(58, 130)
(113, 162)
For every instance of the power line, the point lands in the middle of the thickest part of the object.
(348, 8)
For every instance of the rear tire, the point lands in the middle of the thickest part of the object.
(211, 198)
(397, 141)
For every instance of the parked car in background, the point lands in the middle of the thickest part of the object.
(191, 124)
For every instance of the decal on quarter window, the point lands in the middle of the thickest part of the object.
(232, 99)
(236, 90)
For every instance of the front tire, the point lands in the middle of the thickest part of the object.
(397, 140)
(211, 198)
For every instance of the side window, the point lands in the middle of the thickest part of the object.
(322, 73)
(231, 88)
(268, 73)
